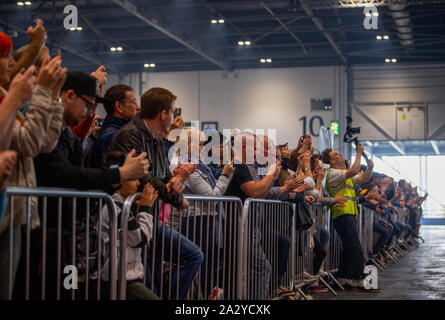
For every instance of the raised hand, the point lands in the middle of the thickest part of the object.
(22, 85)
(37, 34)
(148, 196)
(134, 167)
(51, 74)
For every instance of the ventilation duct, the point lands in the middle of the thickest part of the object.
(402, 23)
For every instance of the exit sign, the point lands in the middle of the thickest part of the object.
(335, 127)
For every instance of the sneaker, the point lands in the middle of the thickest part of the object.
(318, 289)
(216, 294)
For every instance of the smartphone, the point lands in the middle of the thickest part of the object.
(99, 122)
(178, 112)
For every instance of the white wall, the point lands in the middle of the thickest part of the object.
(255, 99)
(420, 84)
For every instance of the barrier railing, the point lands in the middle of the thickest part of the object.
(65, 242)
(268, 230)
(215, 249)
(214, 225)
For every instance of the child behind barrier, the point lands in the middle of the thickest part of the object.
(140, 230)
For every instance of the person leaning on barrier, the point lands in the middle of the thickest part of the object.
(144, 134)
(205, 217)
(7, 162)
(341, 181)
(29, 134)
(140, 231)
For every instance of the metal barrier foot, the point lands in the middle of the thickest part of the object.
(336, 281)
(377, 264)
(301, 292)
(328, 286)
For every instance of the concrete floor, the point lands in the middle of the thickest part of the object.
(420, 275)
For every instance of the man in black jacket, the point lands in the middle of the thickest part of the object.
(144, 134)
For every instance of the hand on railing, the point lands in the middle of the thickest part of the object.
(309, 199)
(7, 161)
(340, 201)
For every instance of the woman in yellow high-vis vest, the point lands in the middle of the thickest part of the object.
(340, 181)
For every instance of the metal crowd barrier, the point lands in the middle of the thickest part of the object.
(66, 237)
(214, 224)
(365, 226)
(249, 251)
(269, 252)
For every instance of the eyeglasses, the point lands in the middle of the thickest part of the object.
(90, 105)
(134, 101)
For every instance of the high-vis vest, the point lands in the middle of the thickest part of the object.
(345, 189)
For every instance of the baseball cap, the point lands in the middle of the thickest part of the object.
(82, 83)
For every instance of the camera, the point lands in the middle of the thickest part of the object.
(350, 132)
(178, 112)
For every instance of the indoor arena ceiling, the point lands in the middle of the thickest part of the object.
(177, 35)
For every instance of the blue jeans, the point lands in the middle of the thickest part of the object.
(170, 244)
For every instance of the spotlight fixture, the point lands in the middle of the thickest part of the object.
(393, 60)
(263, 60)
(241, 43)
(386, 37)
(113, 49)
(149, 65)
(79, 28)
(247, 43)
(375, 14)
(152, 65)
(20, 3)
(268, 60)
(119, 49)
(146, 65)
(379, 37)
(367, 14)
(214, 21)
(387, 60)
(221, 21)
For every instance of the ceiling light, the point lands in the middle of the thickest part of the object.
(387, 60)
(152, 65)
(221, 21)
(214, 21)
(375, 14)
(119, 48)
(386, 37)
(20, 3)
(146, 65)
(269, 60)
(379, 37)
(113, 49)
(263, 60)
(72, 29)
(240, 43)
(393, 60)
(367, 14)
(79, 28)
(247, 43)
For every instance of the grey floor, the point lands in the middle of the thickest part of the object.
(418, 275)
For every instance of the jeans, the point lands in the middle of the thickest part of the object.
(351, 259)
(260, 269)
(211, 268)
(170, 244)
(384, 234)
(320, 249)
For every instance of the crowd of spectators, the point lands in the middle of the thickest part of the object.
(51, 136)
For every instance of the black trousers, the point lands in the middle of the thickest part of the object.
(384, 235)
(351, 259)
